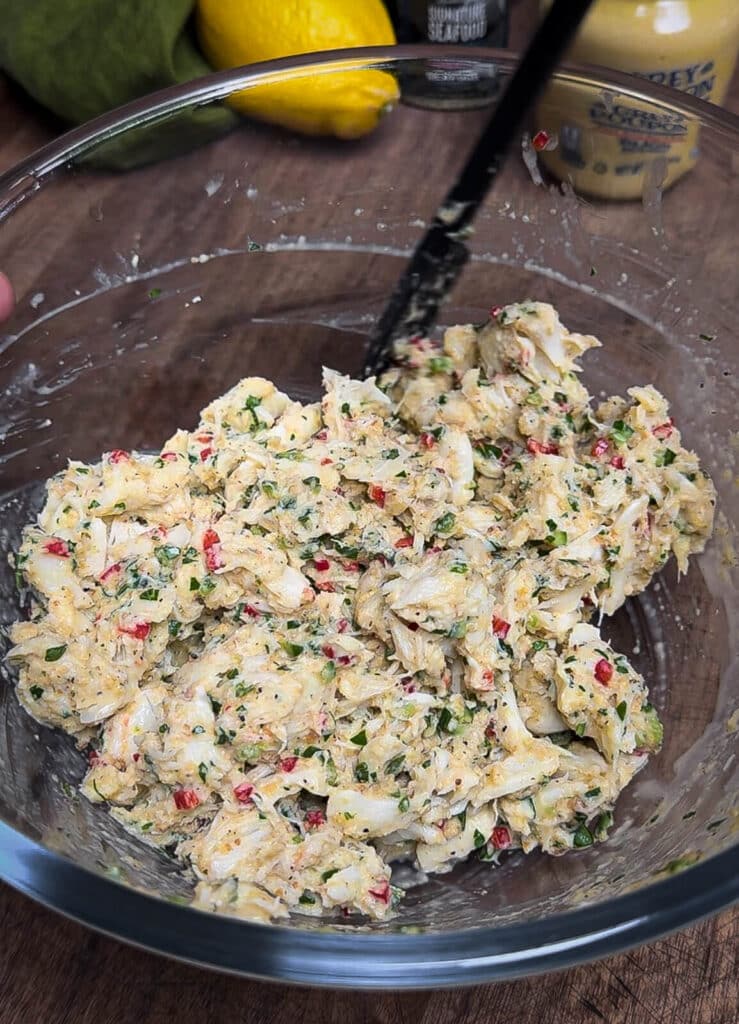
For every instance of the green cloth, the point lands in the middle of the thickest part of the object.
(81, 58)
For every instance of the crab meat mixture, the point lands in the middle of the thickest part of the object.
(306, 641)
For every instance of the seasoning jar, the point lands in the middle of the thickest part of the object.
(611, 146)
(445, 83)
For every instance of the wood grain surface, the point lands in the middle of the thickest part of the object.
(54, 971)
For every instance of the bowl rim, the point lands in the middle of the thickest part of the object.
(27, 176)
(366, 960)
(333, 958)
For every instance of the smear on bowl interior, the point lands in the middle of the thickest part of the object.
(306, 641)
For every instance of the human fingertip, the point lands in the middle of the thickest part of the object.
(7, 298)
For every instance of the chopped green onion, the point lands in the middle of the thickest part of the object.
(290, 648)
(583, 837)
(167, 553)
(328, 672)
(621, 432)
(445, 523)
(665, 457)
(440, 364)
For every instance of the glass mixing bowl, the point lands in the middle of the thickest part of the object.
(141, 295)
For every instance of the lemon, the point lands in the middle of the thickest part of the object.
(346, 104)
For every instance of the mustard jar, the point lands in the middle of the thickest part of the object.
(609, 145)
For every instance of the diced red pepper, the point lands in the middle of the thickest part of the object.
(600, 447)
(603, 671)
(327, 587)
(205, 454)
(314, 819)
(408, 684)
(322, 435)
(377, 495)
(118, 455)
(540, 141)
(345, 659)
(168, 456)
(204, 437)
(427, 440)
(212, 549)
(541, 447)
(618, 462)
(251, 611)
(110, 571)
(56, 547)
(287, 764)
(404, 542)
(243, 792)
(93, 757)
(186, 799)
(210, 539)
(352, 566)
(501, 837)
(342, 625)
(328, 651)
(495, 310)
(139, 630)
(490, 730)
(326, 461)
(136, 757)
(321, 564)
(488, 679)
(500, 627)
(663, 430)
(381, 892)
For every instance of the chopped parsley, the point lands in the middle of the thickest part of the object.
(621, 432)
